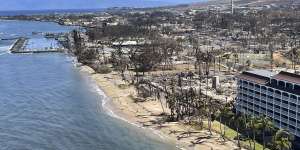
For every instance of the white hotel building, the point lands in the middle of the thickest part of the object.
(276, 96)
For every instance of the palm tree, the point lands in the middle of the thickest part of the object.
(237, 119)
(247, 128)
(208, 59)
(227, 115)
(283, 140)
(219, 115)
(266, 125)
(171, 102)
(252, 123)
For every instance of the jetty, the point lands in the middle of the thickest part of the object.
(39, 51)
(19, 46)
(9, 39)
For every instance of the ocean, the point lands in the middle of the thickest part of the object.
(46, 12)
(47, 104)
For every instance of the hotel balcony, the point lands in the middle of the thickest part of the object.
(243, 97)
(284, 120)
(270, 107)
(293, 116)
(292, 130)
(270, 93)
(285, 98)
(250, 94)
(277, 95)
(293, 123)
(283, 112)
(277, 103)
(263, 91)
(285, 105)
(298, 133)
(293, 108)
(250, 101)
(256, 101)
(261, 111)
(269, 100)
(264, 105)
(293, 100)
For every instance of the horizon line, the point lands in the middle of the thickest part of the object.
(169, 5)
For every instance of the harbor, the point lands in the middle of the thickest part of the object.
(20, 46)
(47, 104)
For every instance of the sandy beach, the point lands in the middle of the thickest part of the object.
(147, 114)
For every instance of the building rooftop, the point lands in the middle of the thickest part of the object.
(289, 77)
(255, 76)
(263, 77)
(264, 73)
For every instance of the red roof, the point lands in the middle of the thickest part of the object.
(253, 78)
(289, 77)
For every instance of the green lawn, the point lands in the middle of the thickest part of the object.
(231, 134)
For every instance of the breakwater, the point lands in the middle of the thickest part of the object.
(19, 45)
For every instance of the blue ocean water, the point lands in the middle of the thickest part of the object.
(46, 104)
(46, 12)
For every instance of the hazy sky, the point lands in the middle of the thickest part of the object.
(83, 4)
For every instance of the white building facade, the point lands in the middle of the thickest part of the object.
(277, 96)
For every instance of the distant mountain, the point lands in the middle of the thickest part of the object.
(84, 4)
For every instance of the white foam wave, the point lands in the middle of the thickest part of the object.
(73, 60)
(3, 53)
(104, 103)
(109, 111)
(4, 50)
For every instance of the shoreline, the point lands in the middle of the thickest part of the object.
(112, 109)
(119, 103)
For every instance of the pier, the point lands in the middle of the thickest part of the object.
(19, 46)
(39, 51)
